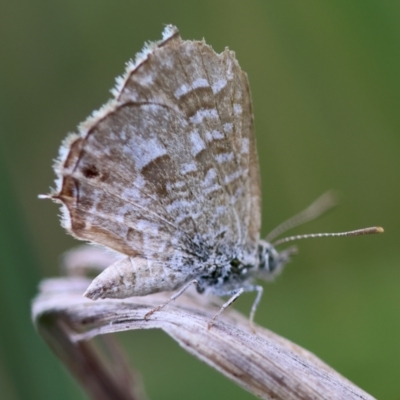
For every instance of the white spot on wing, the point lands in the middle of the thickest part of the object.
(230, 178)
(237, 109)
(220, 210)
(185, 89)
(188, 167)
(200, 82)
(66, 217)
(208, 182)
(176, 185)
(214, 135)
(198, 117)
(147, 226)
(146, 152)
(209, 178)
(245, 145)
(237, 195)
(229, 72)
(228, 127)
(197, 142)
(147, 79)
(181, 91)
(179, 204)
(212, 188)
(224, 157)
(219, 85)
(139, 182)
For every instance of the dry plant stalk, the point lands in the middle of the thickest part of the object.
(263, 363)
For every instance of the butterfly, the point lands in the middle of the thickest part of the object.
(166, 173)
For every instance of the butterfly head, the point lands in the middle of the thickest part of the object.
(271, 261)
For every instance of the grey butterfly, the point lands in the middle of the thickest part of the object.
(167, 174)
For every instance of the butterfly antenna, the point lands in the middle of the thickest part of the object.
(320, 206)
(358, 232)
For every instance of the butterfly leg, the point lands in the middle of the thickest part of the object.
(259, 289)
(173, 297)
(234, 295)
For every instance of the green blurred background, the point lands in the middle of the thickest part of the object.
(325, 77)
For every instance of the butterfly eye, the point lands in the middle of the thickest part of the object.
(235, 263)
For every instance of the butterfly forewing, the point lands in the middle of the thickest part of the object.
(170, 161)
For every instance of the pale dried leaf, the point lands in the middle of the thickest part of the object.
(264, 363)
